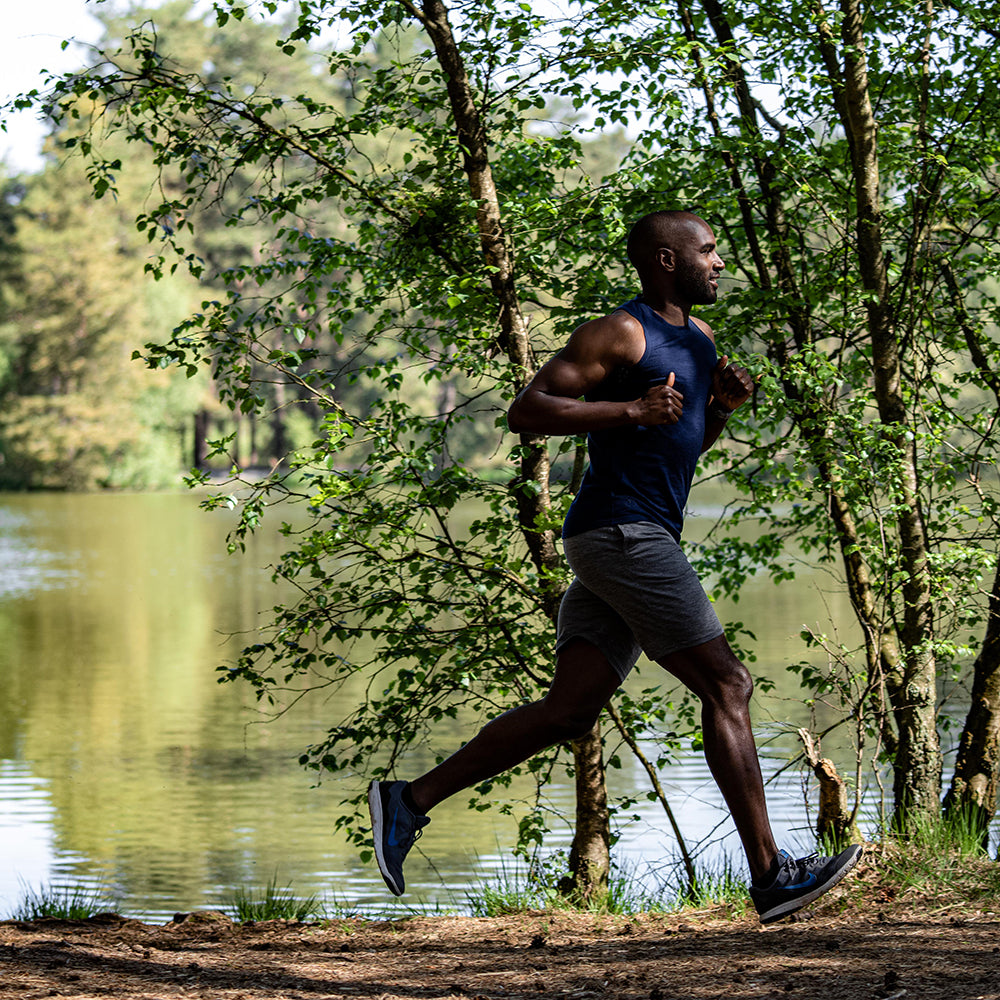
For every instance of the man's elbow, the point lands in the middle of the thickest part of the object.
(534, 412)
(518, 415)
(515, 421)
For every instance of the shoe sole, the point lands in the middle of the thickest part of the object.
(378, 822)
(789, 907)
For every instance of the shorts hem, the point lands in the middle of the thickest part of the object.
(669, 649)
(604, 644)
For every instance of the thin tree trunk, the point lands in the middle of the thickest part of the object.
(590, 852)
(199, 447)
(592, 835)
(974, 784)
(917, 763)
(279, 435)
(661, 795)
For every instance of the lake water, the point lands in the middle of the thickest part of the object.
(125, 767)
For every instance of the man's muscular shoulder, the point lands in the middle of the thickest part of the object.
(612, 341)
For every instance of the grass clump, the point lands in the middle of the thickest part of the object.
(725, 886)
(515, 889)
(274, 904)
(68, 902)
(627, 896)
(538, 887)
(940, 858)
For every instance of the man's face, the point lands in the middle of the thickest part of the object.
(697, 264)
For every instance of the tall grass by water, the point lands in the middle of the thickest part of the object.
(274, 903)
(68, 902)
(519, 888)
(941, 863)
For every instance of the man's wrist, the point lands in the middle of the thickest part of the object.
(718, 411)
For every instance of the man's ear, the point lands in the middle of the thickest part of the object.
(665, 258)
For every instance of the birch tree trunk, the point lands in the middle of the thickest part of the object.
(917, 763)
(590, 858)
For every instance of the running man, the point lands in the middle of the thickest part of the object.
(647, 386)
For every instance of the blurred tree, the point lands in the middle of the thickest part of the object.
(77, 412)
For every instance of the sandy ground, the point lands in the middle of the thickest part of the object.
(845, 951)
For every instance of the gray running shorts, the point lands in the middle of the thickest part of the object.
(634, 592)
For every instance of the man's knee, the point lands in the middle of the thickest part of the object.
(731, 682)
(713, 672)
(569, 722)
(740, 682)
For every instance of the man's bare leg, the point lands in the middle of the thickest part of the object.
(716, 676)
(581, 687)
(780, 885)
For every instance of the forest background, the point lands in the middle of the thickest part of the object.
(369, 223)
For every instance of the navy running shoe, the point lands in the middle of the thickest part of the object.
(800, 882)
(395, 828)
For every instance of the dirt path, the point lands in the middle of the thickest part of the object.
(863, 956)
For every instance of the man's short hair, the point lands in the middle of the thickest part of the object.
(652, 231)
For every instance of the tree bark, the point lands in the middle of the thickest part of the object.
(917, 762)
(589, 856)
(973, 788)
(835, 823)
(590, 859)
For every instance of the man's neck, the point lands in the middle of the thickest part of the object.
(674, 312)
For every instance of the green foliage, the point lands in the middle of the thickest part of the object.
(76, 413)
(79, 411)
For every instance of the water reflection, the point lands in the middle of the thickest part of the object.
(124, 765)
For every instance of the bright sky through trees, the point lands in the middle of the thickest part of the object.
(31, 41)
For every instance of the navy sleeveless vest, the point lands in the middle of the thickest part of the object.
(645, 473)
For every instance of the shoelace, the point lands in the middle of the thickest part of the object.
(801, 865)
(790, 864)
(415, 835)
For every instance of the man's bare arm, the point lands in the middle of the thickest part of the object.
(551, 403)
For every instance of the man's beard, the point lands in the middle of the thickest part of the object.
(694, 285)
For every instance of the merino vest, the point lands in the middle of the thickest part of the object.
(645, 473)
